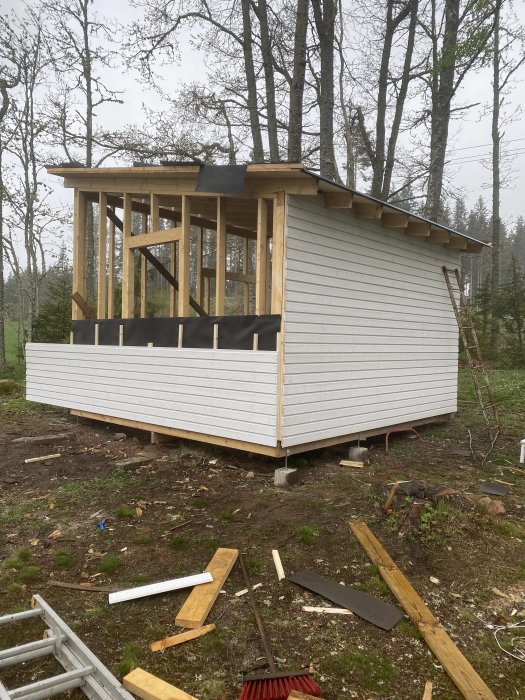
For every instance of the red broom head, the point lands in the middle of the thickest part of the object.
(278, 688)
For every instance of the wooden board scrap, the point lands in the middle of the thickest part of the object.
(41, 459)
(82, 587)
(200, 601)
(351, 463)
(427, 695)
(181, 638)
(297, 695)
(367, 606)
(278, 564)
(468, 682)
(148, 687)
(332, 611)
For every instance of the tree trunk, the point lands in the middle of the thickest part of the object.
(442, 94)
(496, 182)
(325, 15)
(295, 118)
(271, 111)
(251, 83)
(3, 360)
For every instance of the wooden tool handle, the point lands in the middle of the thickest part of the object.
(269, 656)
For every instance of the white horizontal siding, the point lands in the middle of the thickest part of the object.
(225, 393)
(370, 335)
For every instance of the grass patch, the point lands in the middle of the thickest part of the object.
(199, 503)
(307, 534)
(253, 566)
(139, 579)
(178, 543)
(109, 564)
(128, 660)
(143, 540)
(126, 512)
(19, 559)
(28, 573)
(63, 559)
(366, 671)
(506, 528)
(227, 515)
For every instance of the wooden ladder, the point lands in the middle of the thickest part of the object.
(472, 349)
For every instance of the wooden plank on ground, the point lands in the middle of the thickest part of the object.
(351, 463)
(81, 587)
(181, 638)
(427, 695)
(148, 687)
(468, 682)
(200, 601)
(297, 695)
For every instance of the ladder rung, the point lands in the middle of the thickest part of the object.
(40, 645)
(59, 684)
(5, 619)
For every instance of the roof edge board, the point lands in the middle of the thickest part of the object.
(392, 208)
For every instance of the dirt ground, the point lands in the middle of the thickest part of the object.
(468, 566)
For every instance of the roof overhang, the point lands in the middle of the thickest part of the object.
(263, 180)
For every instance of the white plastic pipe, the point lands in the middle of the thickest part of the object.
(162, 587)
(522, 452)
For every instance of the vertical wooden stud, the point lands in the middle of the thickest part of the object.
(150, 345)
(111, 270)
(97, 332)
(154, 211)
(246, 285)
(102, 251)
(207, 295)
(255, 341)
(198, 265)
(144, 274)
(184, 259)
(260, 269)
(220, 257)
(215, 336)
(173, 271)
(79, 253)
(181, 335)
(128, 263)
(71, 338)
(121, 335)
(278, 254)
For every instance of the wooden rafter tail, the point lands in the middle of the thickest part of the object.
(468, 682)
(158, 265)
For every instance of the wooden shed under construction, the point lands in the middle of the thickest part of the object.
(343, 327)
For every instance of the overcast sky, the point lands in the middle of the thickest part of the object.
(469, 144)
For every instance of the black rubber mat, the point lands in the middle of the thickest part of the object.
(367, 606)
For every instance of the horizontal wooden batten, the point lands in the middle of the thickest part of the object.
(145, 240)
(338, 200)
(231, 276)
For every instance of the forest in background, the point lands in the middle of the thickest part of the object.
(364, 92)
